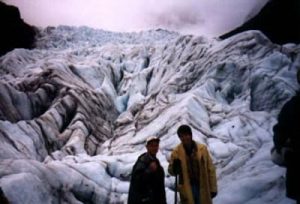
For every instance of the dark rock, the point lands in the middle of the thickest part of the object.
(15, 33)
(279, 20)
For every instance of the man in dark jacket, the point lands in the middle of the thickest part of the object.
(147, 185)
(287, 138)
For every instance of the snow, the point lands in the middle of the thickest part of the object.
(108, 100)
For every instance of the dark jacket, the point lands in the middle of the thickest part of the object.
(287, 133)
(145, 186)
(3, 199)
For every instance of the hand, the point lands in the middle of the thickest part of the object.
(213, 194)
(153, 166)
(176, 166)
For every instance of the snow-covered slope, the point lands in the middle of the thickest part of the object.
(75, 111)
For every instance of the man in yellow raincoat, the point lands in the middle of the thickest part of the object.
(192, 162)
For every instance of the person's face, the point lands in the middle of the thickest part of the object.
(152, 147)
(186, 139)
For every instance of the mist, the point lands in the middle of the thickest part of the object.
(199, 17)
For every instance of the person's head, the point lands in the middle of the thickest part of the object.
(152, 145)
(184, 133)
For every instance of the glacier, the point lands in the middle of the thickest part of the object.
(76, 110)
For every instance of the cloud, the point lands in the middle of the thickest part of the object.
(201, 17)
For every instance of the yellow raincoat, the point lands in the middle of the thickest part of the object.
(207, 175)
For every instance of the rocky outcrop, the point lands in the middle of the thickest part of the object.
(15, 33)
(279, 20)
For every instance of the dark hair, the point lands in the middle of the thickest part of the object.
(184, 129)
